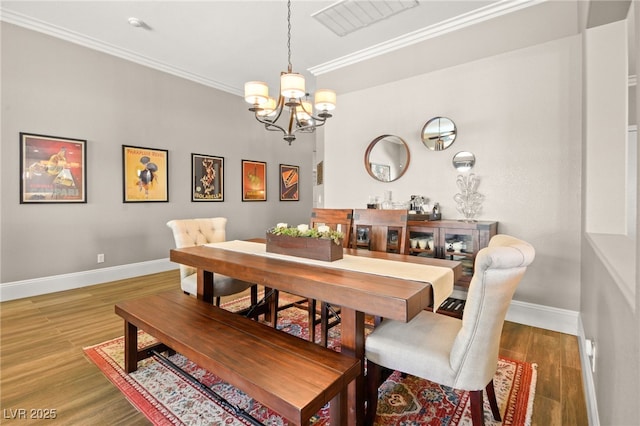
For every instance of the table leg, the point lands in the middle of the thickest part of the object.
(352, 343)
(338, 409)
(205, 285)
(130, 347)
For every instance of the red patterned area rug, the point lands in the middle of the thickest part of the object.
(167, 398)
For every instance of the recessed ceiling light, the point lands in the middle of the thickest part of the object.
(135, 22)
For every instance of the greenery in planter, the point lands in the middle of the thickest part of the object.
(336, 236)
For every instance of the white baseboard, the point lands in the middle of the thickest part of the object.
(34, 287)
(587, 379)
(547, 317)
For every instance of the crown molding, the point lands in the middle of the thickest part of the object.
(480, 15)
(91, 43)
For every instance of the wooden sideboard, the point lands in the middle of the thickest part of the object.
(450, 239)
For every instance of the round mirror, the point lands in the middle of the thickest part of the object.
(387, 158)
(438, 133)
(464, 161)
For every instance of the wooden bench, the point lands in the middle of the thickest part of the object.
(292, 376)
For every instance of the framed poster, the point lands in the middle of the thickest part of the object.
(145, 174)
(52, 169)
(207, 178)
(289, 182)
(254, 180)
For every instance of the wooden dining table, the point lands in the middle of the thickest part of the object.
(357, 293)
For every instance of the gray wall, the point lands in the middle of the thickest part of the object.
(610, 317)
(56, 88)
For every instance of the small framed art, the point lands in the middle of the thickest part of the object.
(320, 173)
(145, 174)
(207, 178)
(254, 180)
(52, 169)
(289, 182)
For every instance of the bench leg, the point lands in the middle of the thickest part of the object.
(271, 315)
(338, 409)
(130, 347)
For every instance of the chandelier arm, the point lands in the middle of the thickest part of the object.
(322, 118)
(265, 121)
(272, 126)
(309, 127)
(279, 108)
(268, 125)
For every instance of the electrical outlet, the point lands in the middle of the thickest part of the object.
(101, 258)
(590, 348)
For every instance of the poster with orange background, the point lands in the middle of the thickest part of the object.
(145, 174)
(254, 180)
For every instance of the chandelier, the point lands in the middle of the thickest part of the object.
(292, 99)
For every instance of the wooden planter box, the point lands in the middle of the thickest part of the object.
(311, 248)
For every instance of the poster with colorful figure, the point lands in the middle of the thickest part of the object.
(289, 182)
(254, 180)
(207, 174)
(145, 174)
(52, 169)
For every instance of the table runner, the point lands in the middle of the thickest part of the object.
(440, 278)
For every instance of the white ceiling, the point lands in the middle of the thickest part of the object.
(222, 44)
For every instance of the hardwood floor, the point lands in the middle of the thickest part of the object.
(559, 398)
(43, 366)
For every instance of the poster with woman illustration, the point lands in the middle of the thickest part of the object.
(52, 169)
(145, 174)
(207, 174)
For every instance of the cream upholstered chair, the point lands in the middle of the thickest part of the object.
(462, 354)
(196, 232)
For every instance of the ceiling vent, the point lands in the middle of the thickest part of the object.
(347, 16)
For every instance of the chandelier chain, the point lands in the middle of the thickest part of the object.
(289, 34)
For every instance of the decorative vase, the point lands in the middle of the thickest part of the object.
(469, 200)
